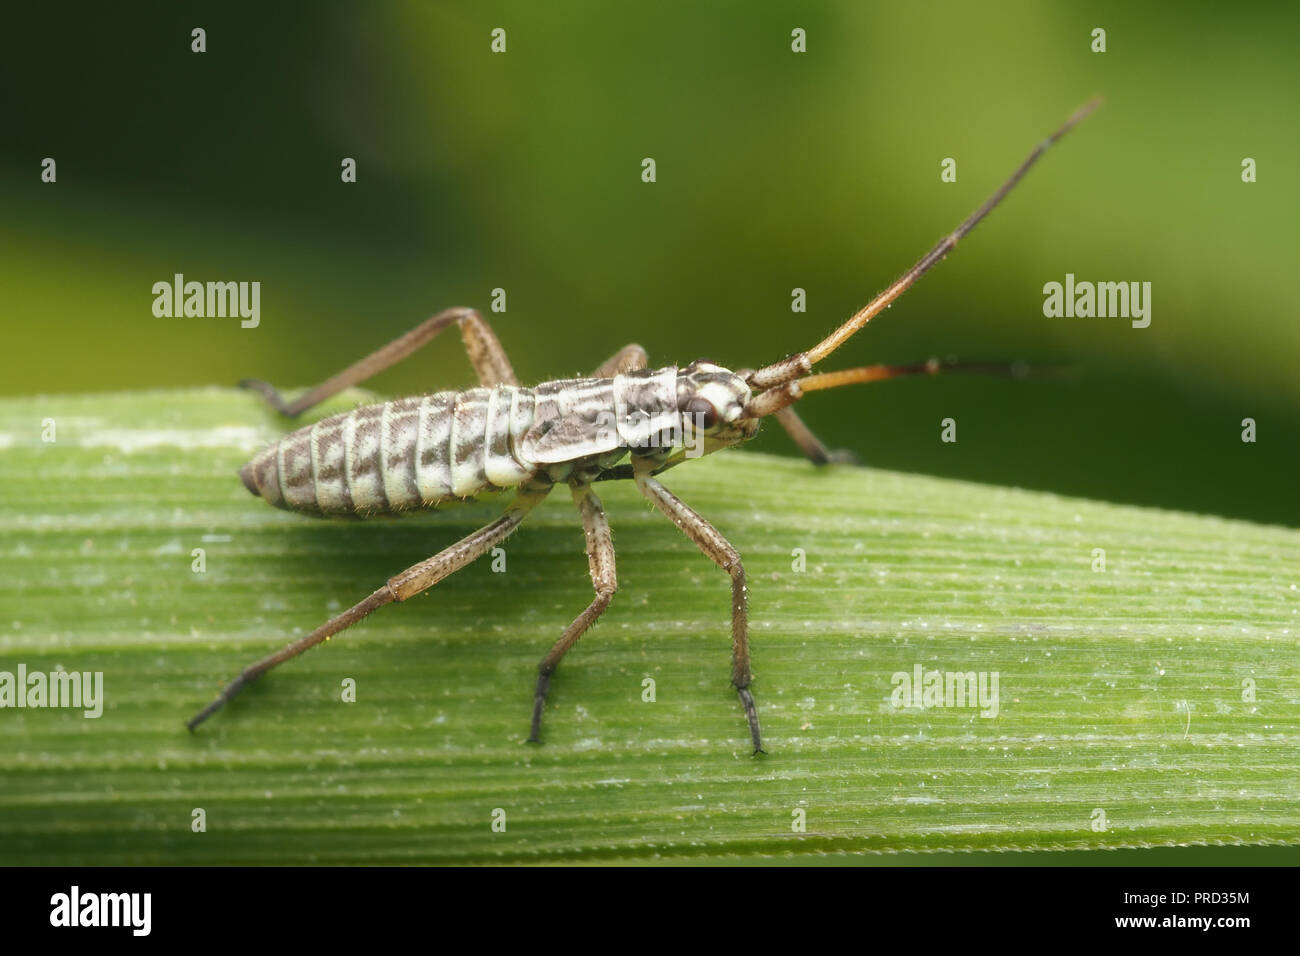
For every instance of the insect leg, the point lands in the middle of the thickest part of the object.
(422, 576)
(409, 583)
(627, 359)
(809, 443)
(485, 354)
(719, 549)
(600, 559)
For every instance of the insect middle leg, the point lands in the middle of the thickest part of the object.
(714, 546)
(412, 581)
(627, 359)
(484, 350)
(600, 559)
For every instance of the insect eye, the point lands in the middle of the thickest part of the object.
(701, 410)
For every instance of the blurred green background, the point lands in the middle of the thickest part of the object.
(775, 170)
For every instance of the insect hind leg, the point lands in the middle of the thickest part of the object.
(600, 559)
(327, 630)
(415, 579)
(481, 344)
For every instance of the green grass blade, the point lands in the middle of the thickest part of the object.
(1157, 697)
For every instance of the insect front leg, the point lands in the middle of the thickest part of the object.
(809, 443)
(627, 359)
(719, 549)
(412, 581)
(600, 559)
(481, 344)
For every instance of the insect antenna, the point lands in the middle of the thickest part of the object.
(786, 371)
(881, 373)
(775, 399)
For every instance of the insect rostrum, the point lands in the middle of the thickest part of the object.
(624, 422)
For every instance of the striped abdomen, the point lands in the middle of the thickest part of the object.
(404, 454)
(418, 452)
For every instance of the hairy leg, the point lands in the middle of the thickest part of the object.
(409, 583)
(600, 560)
(720, 551)
(485, 354)
(626, 359)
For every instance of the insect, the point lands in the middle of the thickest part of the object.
(624, 422)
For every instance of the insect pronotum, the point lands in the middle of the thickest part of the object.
(419, 452)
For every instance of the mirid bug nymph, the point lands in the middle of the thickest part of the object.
(625, 422)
